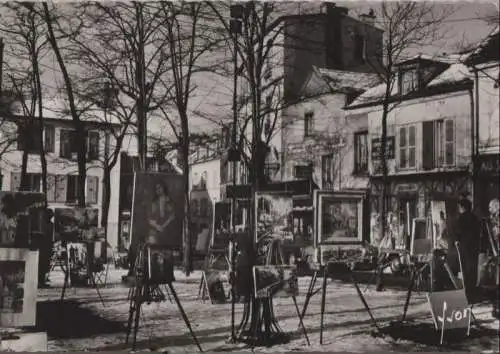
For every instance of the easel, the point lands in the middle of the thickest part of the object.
(90, 273)
(146, 291)
(326, 271)
(212, 257)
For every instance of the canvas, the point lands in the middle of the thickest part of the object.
(275, 281)
(76, 224)
(438, 212)
(158, 209)
(21, 214)
(18, 287)
(221, 225)
(274, 216)
(215, 285)
(160, 264)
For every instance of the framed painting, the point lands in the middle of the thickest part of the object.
(421, 238)
(339, 218)
(76, 224)
(18, 287)
(273, 215)
(160, 264)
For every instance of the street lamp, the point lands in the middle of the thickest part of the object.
(235, 28)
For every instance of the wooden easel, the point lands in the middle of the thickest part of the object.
(146, 291)
(212, 257)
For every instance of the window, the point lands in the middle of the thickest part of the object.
(361, 152)
(303, 171)
(408, 81)
(203, 181)
(93, 146)
(68, 146)
(407, 146)
(33, 182)
(360, 48)
(327, 172)
(438, 141)
(72, 189)
(308, 123)
(50, 138)
(28, 137)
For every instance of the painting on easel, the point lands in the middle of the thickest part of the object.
(439, 222)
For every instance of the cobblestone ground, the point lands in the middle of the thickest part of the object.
(84, 323)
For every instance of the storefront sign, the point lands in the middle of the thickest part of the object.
(377, 147)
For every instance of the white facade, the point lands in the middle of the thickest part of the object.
(488, 102)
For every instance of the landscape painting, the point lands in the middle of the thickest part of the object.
(275, 281)
(274, 216)
(76, 224)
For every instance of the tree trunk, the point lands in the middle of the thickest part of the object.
(383, 161)
(24, 165)
(43, 159)
(186, 230)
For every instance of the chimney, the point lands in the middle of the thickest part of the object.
(333, 9)
(368, 18)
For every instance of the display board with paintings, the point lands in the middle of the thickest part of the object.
(158, 209)
(18, 287)
(339, 218)
(76, 224)
(273, 213)
(275, 281)
(21, 214)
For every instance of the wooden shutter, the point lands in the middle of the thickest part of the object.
(65, 145)
(61, 188)
(449, 143)
(49, 138)
(412, 142)
(15, 181)
(403, 158)
(92, 189)
(428, 145)
(51, 188)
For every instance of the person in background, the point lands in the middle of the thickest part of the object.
(47, 248)
(466, 232)
(494, 209)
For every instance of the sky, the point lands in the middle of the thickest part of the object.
(214, 93)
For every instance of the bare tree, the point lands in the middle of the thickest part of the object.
(27, 31)
(407, 26)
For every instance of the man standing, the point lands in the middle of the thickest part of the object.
(466, 232)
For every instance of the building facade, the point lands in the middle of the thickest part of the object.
(62, 171)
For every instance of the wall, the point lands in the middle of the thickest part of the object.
(456, 105)
(489, 96)
(329, 125)
(11, 163)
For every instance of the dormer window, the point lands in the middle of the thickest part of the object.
(408, 80)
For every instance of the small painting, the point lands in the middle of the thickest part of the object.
(274, 216)
(21, 214)
(11, 286)
(421, 242)
(160, 264)
(214, 280)
(439, 229)
(76, 224)
(221, 225)
(275, 281)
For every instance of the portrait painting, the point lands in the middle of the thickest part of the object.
(160, 264)
(158, 208)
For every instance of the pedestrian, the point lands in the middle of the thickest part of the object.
(466, 238)
(494, 209)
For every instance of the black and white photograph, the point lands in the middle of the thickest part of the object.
(223, 176)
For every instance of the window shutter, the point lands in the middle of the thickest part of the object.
(92, 189)
(428, 145)
(449, 142)
(61, 188)
(51, 188)
(49, 138)
(64, 143)
(93, 145)
(15, 181)
(402, 147)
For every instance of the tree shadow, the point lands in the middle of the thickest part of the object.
(67, 319)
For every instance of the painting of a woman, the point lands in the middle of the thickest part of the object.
(161, 215)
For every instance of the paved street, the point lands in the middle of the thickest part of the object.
(83, 323)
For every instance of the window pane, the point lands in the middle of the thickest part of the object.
(411, 157)
(449, 130)
(402, 158)
(402, 136)
(411, 135)
(450, 153)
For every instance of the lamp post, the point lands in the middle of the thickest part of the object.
(235, 25)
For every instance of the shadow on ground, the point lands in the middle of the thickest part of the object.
(68, 320)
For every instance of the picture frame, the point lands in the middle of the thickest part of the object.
(273, 215)
(344, 213)
(160, 264)
(76, 224)
(275, 281)
(421, 243)
(18, 287)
